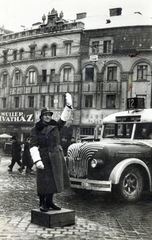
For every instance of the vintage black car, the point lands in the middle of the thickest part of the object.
(121, 161)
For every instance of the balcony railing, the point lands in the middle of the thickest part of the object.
(113, 86)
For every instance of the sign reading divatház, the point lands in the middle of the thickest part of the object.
(17, 116)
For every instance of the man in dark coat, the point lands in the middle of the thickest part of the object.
(27, 161)
(47, 154)
(15, 153)
(64, 144)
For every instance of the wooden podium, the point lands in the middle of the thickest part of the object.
(53, 218)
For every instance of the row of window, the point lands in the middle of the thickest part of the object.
(67, 75)
(19, 54)
(88, 102)
(96, 47)
(104, 46)
(31, 77)
(30, 102)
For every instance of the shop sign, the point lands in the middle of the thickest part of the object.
(26, 129)
(92, 117)
(17, 116)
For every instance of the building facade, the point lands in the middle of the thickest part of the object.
(37, 68)
(100, 66)
(116, 64)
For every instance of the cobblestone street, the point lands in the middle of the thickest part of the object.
(97, 216)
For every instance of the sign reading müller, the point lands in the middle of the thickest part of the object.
(17, 116)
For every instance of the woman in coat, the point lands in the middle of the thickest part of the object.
(47, 154)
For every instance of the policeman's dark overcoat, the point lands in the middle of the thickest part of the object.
(54, 177)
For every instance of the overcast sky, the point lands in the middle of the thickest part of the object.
(14, 13)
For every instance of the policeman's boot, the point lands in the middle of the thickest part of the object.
(43, 203)
(50, 203)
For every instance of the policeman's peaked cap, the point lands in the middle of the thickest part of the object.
(44, 111)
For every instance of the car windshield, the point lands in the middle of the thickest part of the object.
(124, 130)
(117, 130)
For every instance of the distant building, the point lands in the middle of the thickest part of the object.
(4, 31)
(101, 62)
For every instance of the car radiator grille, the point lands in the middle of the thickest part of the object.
(78, 156)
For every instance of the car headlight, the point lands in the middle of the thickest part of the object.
(96, 163)
(93, 163)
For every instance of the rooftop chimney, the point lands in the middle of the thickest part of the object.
(81, 15)
(115, 11)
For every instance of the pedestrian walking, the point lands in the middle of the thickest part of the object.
(72, 140)
(47, 154)
(27, 162)
(64, 144)
(15, 153)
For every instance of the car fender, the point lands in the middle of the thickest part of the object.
(119, 168)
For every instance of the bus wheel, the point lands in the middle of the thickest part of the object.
(131, 184)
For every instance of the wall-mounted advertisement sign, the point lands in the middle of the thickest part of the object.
(17, 116)
(92, 117)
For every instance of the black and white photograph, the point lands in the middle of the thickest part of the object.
(76, 120)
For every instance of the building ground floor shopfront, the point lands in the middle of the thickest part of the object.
(82, 123)
(16, 123)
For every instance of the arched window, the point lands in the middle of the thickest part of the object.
(15, 55)
(111, 73)
(44, 51)
(141, 70)
(67, 73)
(21, 54)
(5, 56)
(4, 79)
(32, 76)
(89, 73)
(17, 78)
(32, 47)
(53, 50)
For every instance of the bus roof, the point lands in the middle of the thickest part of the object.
(141, 115)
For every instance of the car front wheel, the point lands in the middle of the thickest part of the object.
(131, 185)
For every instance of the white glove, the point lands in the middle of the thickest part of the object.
(68, 100)
(40, 165)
